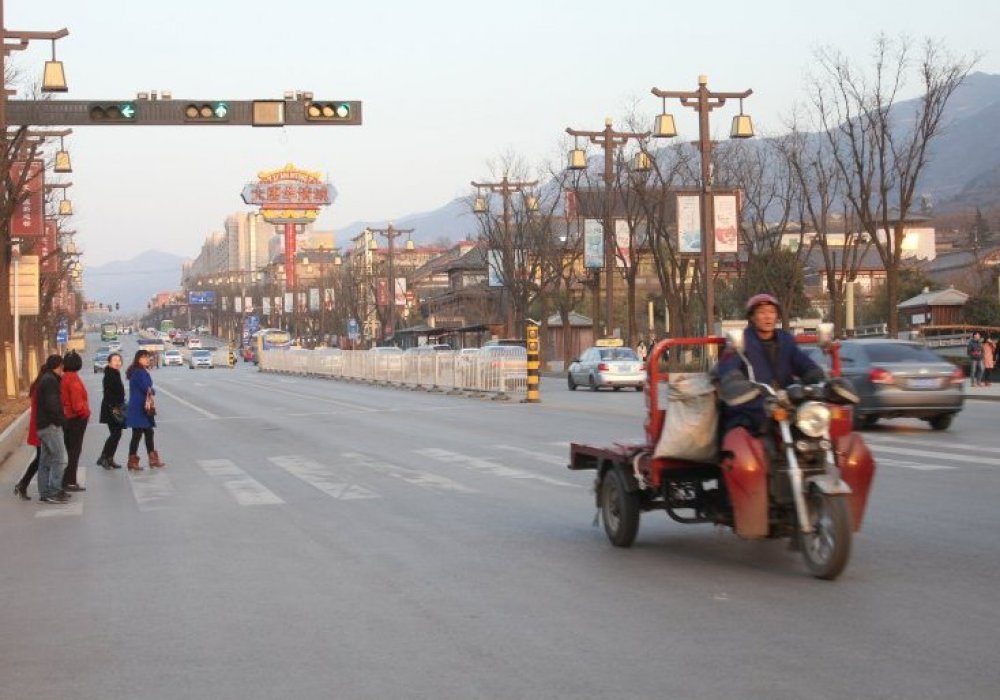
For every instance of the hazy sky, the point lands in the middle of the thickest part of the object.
(447, 86)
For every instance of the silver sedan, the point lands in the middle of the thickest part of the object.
(613, 367)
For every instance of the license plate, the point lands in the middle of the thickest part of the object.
(924, 383)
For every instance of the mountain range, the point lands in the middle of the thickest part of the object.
(963, 172)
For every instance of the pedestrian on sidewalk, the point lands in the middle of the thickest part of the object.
(989, 360)
(52, 455)
(76, 407)
(113, 408)
(975, 352)
(21, 487)
(142, 422)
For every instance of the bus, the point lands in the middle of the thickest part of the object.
(109, 331)
(269, 339)
(167, 327)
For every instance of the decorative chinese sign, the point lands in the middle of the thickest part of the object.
(725, 226)
(46, 246)
(24, 286)
(291, 197)
(30, 211)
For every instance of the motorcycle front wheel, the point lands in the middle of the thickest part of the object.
(619, 510)
(828, 547)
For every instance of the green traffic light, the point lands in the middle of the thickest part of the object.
(221, 110)
(127, 110)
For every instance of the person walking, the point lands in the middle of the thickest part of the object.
(975, 352)
(50, 421)
(989, 360)
(140, 387)
(21, 487)
(76, 408)
(112, 410)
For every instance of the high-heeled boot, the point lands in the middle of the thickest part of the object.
(133, 463)
(154, 459)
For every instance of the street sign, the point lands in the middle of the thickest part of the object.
(205, 298)
(352, 328)
(253, 324)
(175, 112)
(62, 336)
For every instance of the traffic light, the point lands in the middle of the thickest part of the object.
(119, 112)
(328, 111)
(207, 112)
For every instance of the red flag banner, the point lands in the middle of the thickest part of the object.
(30, 212)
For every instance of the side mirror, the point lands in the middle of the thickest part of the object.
(824, 335)
(734, 339)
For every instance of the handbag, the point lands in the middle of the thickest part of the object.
(119, 412)
(149, 406)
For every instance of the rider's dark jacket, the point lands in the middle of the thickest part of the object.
(790, 365)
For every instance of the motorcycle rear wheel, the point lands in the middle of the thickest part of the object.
(828, 547)
(619, 510)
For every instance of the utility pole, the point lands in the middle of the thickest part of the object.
(704, 101)
(609, 140)
(506, 188)
(391, 233)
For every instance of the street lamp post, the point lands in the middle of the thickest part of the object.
(704, 101)
(609, 140)
(506, 188)
(391, 233)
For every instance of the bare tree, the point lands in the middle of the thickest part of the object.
(880, 151)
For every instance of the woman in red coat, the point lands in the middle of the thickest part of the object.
(76, 406)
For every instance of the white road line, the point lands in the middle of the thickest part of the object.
(178, 399)
(489, 467)
(956, 445)
(320, 477)
(428, 480)
(310, 397)
(887, 462)
(151, 489)
(965, 459)
(244, 488)
(536, 455)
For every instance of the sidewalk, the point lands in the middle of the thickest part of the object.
(982, 393)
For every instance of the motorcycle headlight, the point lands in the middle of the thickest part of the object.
(813, 419)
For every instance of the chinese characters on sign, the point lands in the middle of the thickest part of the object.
(28, 215)
(726, 223)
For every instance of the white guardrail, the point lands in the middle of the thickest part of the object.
(500, 370)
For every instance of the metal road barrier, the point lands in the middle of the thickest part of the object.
(500, 371)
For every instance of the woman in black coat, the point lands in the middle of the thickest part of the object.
(114, 398)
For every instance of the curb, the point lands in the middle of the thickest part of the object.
(13, 437)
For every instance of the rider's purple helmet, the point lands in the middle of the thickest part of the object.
(758, 299)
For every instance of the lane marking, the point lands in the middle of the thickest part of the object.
(151, 488)
(878, 440)
(886, 461)
(185, 402)
(320, 477)
(538, 456)
(434, 482)
(981, 461)
(244, 488)
(487, 466)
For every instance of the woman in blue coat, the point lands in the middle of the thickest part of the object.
(140, 384)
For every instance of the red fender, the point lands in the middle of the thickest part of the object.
(745, 473)
(857, 469)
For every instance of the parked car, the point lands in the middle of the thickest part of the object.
(898, 378)
(115, 346)
(100, 361)
(194, 342)
(201, 358)
(613, 366)
(172, 357)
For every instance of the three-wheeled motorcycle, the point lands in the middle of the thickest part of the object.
(805, 476)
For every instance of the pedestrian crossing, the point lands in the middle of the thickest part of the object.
(355, 476)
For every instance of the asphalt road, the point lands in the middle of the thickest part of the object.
(320, 539)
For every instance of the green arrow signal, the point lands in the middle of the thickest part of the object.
(127, 110)
(221, 110)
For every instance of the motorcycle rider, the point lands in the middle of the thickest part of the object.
(776, 359)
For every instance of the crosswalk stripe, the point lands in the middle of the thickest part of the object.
(151, 489)
(487, 466)
(72, 507)
(965, 459)
(536, 455)
(887, 462)
(434, 482)
(320, 477)
(244, 488)
(933, 443)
